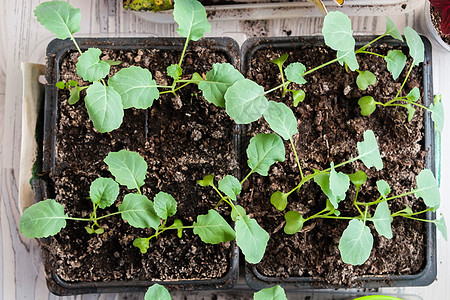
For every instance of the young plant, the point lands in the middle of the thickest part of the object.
(263, 151)
(212, 228)
(130, 87)
(47, 218)
(159, 292)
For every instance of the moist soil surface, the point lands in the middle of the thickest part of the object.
(182, 139)
(330, 124)
(436, 21)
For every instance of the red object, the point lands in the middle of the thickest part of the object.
(443, 7)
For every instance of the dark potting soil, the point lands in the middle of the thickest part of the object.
(436, 21)
(330, 125)
(181, 139)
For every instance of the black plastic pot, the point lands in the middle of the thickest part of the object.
(258, 281)
(56, 50)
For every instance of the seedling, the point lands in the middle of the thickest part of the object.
(130, 87)
(159, 292)
(47, 217)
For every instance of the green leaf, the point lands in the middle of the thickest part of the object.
(441, 226)
(231, 186)
(217, 82)
(104, 107)
(367, 105)
(135, 86)
(395, 62)
(368, 150)
(208, 180)
(237, 211)
(89, 230)
(281, 119)
(339, 183)
(364, 79)
(99, 231)
(392, 30)
(60, 85)
(104, 192)
(411, 112)
(263, 151)
(74, 95)
(90, 67)
(251, 239)
(179, 225)
(142, 244)
(294, 72)
(358, 178)
(298, 96)
(323, 180)
(280, 60)
(157, 292)
(437, 115)
(128, 167)
(196, 78)
(59, 17)
(294, 222)
(245, 101)
(273, 293)
(383, 188)
(72, 83)
(427, 189)
(165, 205)
(414, 94)
(190, 16)
(348, 57)
(279, 200)
(337, 31)
(213, 229)
(43, 219)
(174, 71)
(382, 220)
(139, 212)
(415, 44)
(356, 243)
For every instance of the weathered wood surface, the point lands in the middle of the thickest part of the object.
(23, 39)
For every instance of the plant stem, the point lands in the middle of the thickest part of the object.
(321, 66)
(246, 177)
(380, 199)
(276, 88)
(184, 51)
(368, 52)
(404, 81)
(296, 157)
(355, 203)
(370, 43)
(76, 44)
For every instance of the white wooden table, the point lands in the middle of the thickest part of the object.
(22, 39)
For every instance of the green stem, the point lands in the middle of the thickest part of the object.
(380, 199)
(109, 215)
(184, 51)
(276, 88)
(370, 43)
(296, 157)
(418, 219)
(76, 44)
(355, 203)
(246, 177)
(399, 213)
(371, 53)
(404, 81)
(321, 66)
